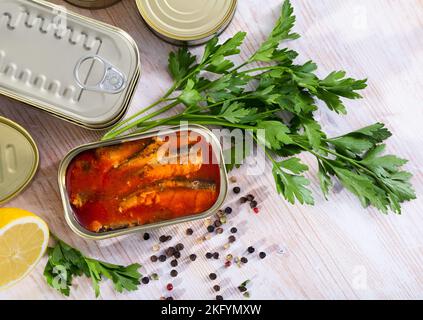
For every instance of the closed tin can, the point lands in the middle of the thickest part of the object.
(93, 4)
(19, 159)
(122, 186)
(78, 69)
(187, 22)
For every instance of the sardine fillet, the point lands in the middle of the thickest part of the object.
(163, 192)
(182, 165)
(113, 156)
(153, 154)
(147, 155)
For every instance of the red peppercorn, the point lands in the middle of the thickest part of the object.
(169, 287)
(228, 264)
(256, 210)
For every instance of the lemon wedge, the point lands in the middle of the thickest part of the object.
(23, 241)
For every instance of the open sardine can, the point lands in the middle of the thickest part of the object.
(142, 181)
(73, 67)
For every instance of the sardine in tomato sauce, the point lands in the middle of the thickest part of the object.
(143, 181)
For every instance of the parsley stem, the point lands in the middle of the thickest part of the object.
(261, 69)
(240, 66)
(110, 133)
(115, 133)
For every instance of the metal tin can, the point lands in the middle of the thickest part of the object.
(187, 22)
(93, 4)
(19, 159)
(79, 229)
(79, 69)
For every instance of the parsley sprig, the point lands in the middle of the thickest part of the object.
(65, 263)
(270, 91)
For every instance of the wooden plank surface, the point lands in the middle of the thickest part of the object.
(334, 250)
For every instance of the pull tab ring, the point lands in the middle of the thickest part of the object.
(113, 80)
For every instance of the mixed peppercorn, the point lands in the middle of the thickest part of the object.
(213, 227)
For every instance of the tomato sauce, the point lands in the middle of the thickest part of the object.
(142, 182)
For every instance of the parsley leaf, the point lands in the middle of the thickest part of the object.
(388, 169)
(335, 86)
(214, 53)
(181, 63)
(361, 185)
(276, 134)
(281, 31)
(356, 143)
(235, 112)
(64, 263)
(190, 96)
(292, 186)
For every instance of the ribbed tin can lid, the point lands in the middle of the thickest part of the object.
(19, 159)
(191, 21)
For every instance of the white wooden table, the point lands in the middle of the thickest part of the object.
(334, 250)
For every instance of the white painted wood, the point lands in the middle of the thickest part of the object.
(326, 247)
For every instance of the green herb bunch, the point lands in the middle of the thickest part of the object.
(270, 91)
(64, 263)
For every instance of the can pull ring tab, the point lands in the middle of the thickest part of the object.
(113, 80)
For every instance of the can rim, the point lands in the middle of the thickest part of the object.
(34, 169)
(77, 228)
(172, 36)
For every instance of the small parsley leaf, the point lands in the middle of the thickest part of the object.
(281, 31)
(181, 63)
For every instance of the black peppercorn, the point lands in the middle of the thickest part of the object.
(193, 257)
(145, 280)
(174, 263)
(244, 260)
(153, 258)
(253, 204)
(262, 255)
(212, 276)
(177, 254)
(216, 255)
(146, 236)
(169, 298)
(168, 238)
(234, 230)
(243, 199)
(189, 231)
(162, 238)
(209, 255)
(216, 288)
(232, 239)
(218, 297)
(170, 251)
(237, 189)
(210, 228)
(174, 273)
(162, 258)
(251, 249)
(228, 210)
(250, 197)
(179, 247)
